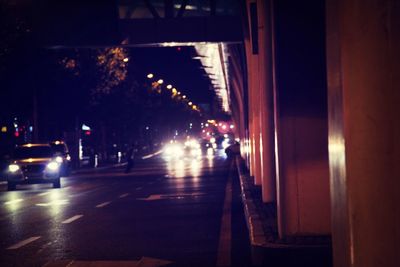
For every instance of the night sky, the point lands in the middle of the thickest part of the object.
(176, 66)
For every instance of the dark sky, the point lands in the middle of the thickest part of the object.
(176, 66)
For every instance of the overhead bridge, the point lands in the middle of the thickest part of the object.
(135, 23)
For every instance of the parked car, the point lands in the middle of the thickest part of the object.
(31, 164)
(61, 152)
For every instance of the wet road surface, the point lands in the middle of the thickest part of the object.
(183, 212)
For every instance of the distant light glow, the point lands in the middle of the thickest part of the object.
(85, 127)
(190, 103)
(150, 75)
(160, 81)
(126, 59)
(169, 86)
(4, 129)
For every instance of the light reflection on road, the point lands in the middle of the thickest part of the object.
(187, 166)
(14, 200)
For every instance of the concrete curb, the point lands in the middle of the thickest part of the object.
(258, 234)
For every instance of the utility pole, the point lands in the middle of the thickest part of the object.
(35, 117)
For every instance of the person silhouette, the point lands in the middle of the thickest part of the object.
(129, 158)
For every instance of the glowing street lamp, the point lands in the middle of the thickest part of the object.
(190, 103)
(160, 81)
(174, 91)
(169, 86)
(126, 59)
(150, 75)
(184, 97)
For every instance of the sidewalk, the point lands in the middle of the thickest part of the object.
(267, 247)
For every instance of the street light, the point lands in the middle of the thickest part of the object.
(190, 103)
(169, 86)
(150, 75)
(126, 59)
(160, 81)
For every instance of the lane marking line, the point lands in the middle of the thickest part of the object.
(101, 205)
(124, 195)
(225, 237)
(14, 201)
(73, 218)
(24, 242)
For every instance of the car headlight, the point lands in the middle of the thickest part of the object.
(53, 166)
(13, 168)
(59, 159)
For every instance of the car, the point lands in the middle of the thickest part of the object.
(31, 164)
(60, 150)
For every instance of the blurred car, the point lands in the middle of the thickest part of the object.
(31, 164)
(61, 152)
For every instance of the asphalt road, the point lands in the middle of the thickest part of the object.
(164, 213)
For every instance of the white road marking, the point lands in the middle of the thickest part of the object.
(73, 218)
(225, 237)
(101, 205)
(14, 201)
(171, 196)
(24, 242)
(124, 195)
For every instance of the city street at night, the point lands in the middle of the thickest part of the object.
(189, 133)
(175, 212)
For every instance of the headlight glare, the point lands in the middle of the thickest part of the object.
(13, 168)
(53, 166)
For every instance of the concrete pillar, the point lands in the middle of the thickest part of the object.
(363, 40)
(266, 102)
(303, 174)
(251, 140)
(254, 112)
(255, 107)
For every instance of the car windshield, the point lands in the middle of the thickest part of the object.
(33, 152)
